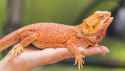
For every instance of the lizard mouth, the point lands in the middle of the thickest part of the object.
(105, 24)
(103, 15)
(105, 18)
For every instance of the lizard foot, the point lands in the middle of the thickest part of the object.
(79, 61)
(16, 50)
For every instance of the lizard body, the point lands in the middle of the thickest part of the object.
(53, 35)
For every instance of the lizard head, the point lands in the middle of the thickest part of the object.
(94, 27)
(99, 20)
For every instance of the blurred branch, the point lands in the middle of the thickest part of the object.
(13, 19)
(14, 9)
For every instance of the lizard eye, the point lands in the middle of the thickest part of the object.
(94, 26)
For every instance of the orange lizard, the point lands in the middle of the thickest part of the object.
(53, 35)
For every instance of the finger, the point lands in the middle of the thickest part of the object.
(95, 50)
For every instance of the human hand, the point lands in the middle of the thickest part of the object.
(32, 58)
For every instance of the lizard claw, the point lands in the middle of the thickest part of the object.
(79, 61)
(16, 50)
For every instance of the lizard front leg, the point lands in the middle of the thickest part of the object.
(18, 48)
(73, 48)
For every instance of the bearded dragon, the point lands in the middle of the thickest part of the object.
(54, 35)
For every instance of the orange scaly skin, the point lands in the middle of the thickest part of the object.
(52, 35)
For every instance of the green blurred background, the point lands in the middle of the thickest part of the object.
(16, 13)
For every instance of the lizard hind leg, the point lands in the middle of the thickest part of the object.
(18, 48)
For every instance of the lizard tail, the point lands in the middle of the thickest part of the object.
(8, 41)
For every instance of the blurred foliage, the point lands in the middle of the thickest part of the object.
(2, 14)
(96, 5)
(117, 50)
(63, 11)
